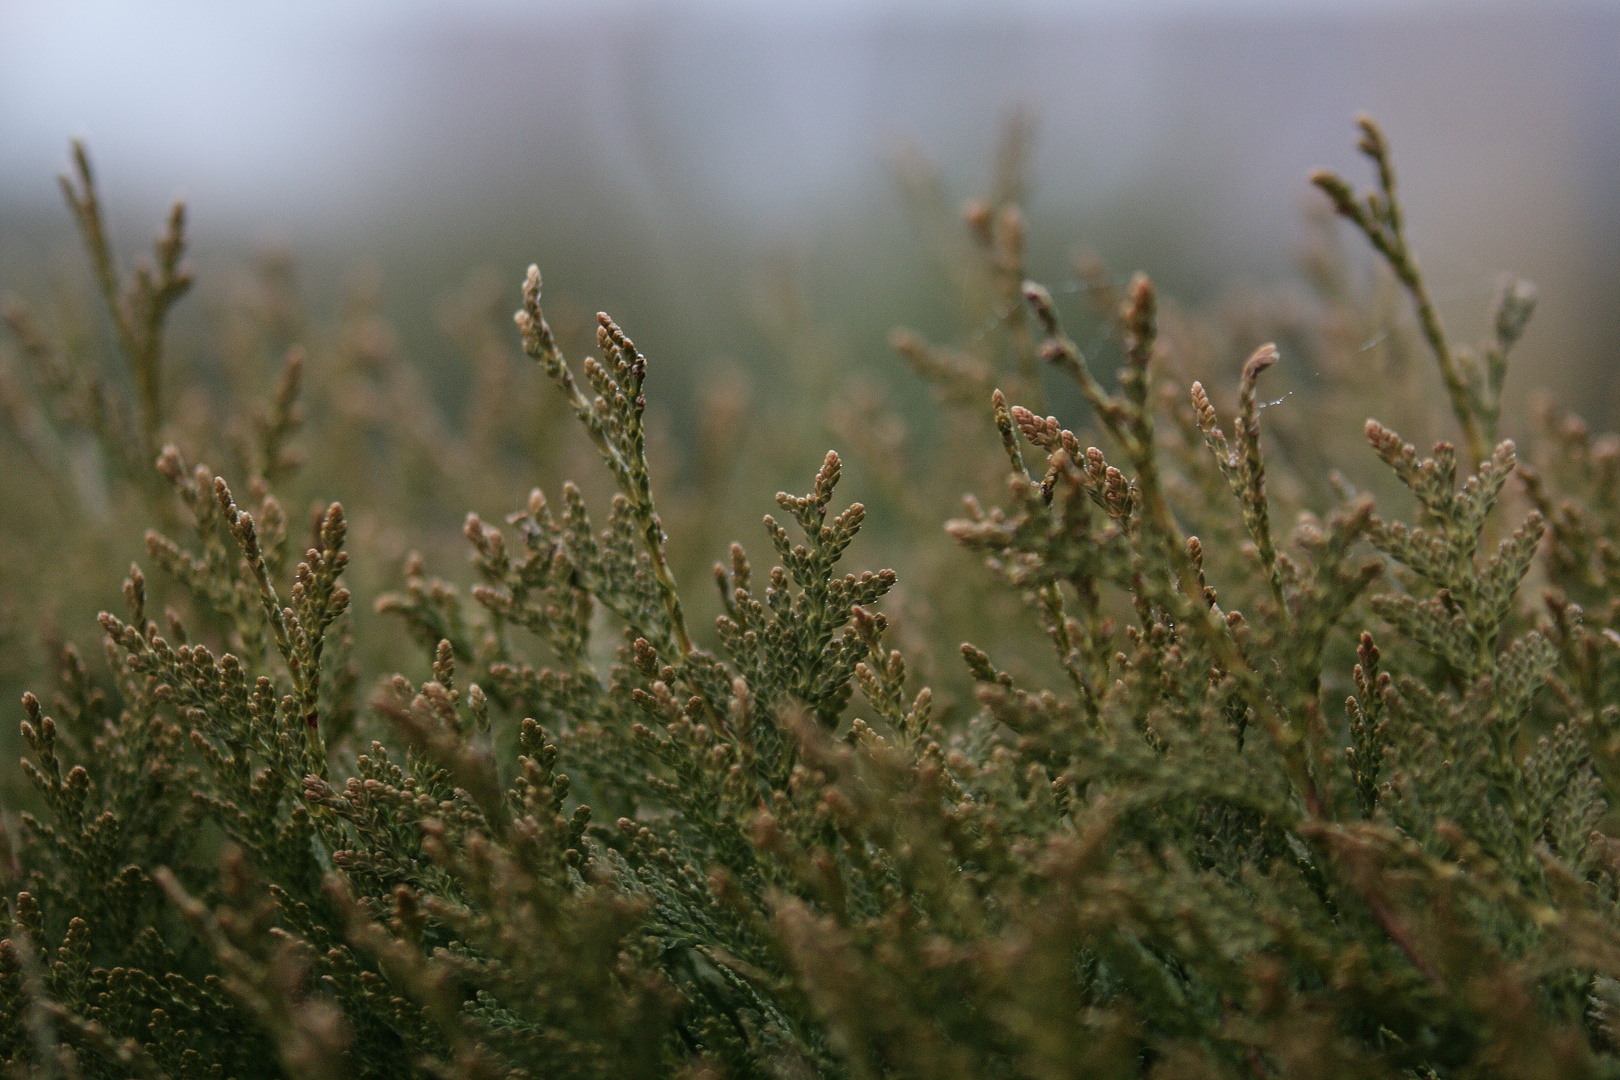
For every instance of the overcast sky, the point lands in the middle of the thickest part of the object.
(264, 105)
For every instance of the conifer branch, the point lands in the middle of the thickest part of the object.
(1378, 216)
(140, 309)
(613, 422)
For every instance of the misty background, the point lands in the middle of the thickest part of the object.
(673, 162)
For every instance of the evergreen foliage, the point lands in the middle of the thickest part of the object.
(1327, 801)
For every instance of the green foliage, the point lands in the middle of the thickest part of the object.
(596, 842)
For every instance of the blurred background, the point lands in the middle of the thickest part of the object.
(759, 193)
(658, 158)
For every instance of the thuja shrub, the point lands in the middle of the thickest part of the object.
(1320, 800)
